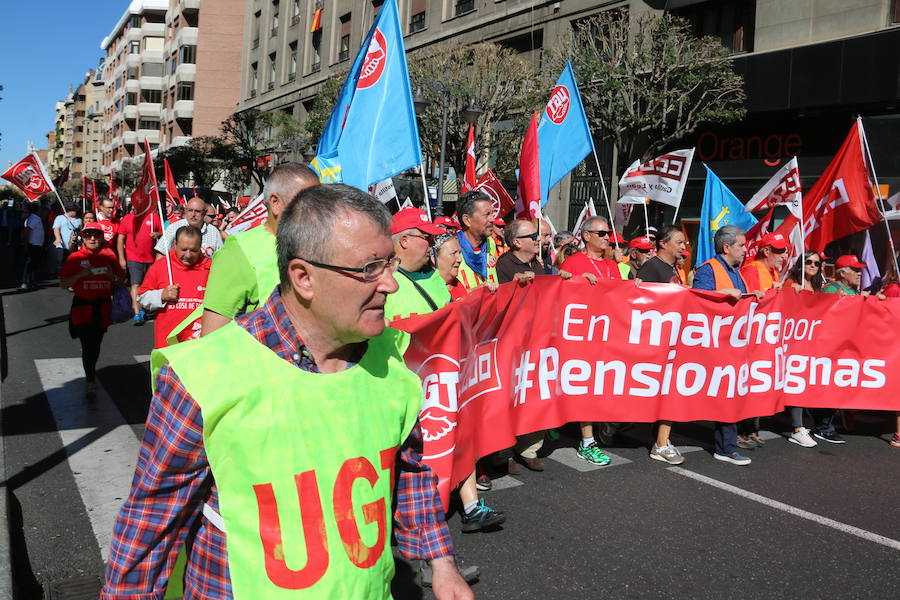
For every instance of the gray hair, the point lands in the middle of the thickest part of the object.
(726, 235)
(594, 219)
(306, 225)
(283, 178)
(411, 231)
(560, 237)
(511, 231)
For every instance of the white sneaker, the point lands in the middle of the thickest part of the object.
(667, 453)
(802, 438)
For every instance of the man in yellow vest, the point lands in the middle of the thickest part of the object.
(764, 272)
(289, 433)
(245, 270)
(479, 251)
(720, 273)
(421, 288)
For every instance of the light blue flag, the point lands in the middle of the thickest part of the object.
(720, 208)
(564, 136)
(372, 133)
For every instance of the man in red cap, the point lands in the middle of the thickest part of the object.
(640, 249)
(447, 224)
(421, 288)
(764, 272)
(847, 273)
(497, 234)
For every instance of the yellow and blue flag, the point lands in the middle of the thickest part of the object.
(720, 208)
(564, 136)
(372, 132)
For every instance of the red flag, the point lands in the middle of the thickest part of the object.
(113, 187)
(61, 179)
(500, 198)
(755, 235)
(89, 191)
(528, 200)
(790, 229)
(29, 176)
(172, 197)
(470, 180)
(146, 194)
(841, 202)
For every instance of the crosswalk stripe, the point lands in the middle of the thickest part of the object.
(142, 358)
(505, 482)
(102, 467)
(569, 457)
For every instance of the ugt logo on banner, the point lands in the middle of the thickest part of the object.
(373, 63)
(558, 105)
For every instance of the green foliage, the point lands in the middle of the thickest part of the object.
(200, 162)
(11, 192)
(649, 82)
(251, 134)
(323, 105)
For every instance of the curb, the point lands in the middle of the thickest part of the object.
(6, 586)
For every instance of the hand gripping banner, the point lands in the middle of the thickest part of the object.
(525, 359)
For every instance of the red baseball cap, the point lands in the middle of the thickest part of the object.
(92, 226)
(499, 222)
(446, 222)
(414, 218)
(641, 243)
(848, 260)
(616, 238)
(775, 240)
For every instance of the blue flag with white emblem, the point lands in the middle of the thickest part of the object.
(720, 208)
(564, 136)
(372, 132)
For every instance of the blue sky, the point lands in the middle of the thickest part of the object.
(46, 45)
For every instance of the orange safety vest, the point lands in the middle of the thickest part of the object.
(723, 281)
(766, 279)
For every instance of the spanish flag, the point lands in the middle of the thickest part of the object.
(316, 23)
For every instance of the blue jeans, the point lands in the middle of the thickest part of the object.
(726, 438)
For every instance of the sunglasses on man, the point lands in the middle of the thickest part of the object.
(531, 236)
(599, 232)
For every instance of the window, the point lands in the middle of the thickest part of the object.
(154, 44)
(292, 68)
(464, 6)
(153, 96)
(134, 48)
(417, 16)
(148, 124)
(185, 90)
(895, 11)
(132, 73)
(732, 21)
(188, 54)
(346, 25)
(275, 19)
(135, 21)
(295, 12)
(151, 70)
(272, 70)
(131, 98)
(254, 79)
(256, 19)
(316, 56)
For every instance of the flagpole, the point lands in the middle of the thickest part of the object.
(425, 188)
(646, 217)
(165, 238)
(880, 203)
(675, 218)
(612, 217)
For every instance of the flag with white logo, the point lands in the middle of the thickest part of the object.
(252, 216)
(662, 178)
(30, 176)
(782, 189)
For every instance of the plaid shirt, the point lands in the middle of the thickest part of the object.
(172, 481)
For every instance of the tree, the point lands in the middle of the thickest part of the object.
(495, 79)
(324, 104)
(201, 162)
(253, 134)
(649, 82)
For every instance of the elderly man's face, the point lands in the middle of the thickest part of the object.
(479, 222)
(596, 236)
(525, 243)
(851, 276)
(187, 249)
(350, 308)
(546, 233)
(195, 212)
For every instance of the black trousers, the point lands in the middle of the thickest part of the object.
(91, 337)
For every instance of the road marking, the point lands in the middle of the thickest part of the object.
(142, 358)
(103, 466)
(769, 435)
(797, 512)
(687, 449)
(505, 482)
(569, 457)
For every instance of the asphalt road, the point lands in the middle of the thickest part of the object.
(800, 523)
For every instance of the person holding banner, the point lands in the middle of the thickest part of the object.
(106, 217)
(91, 273)
(479, 252)
(807, 273)
(244, 271)
(174, 300)
(763, 273)
(330, 401)
(720, 273)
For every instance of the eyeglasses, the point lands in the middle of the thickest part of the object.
(813, 263)
(532, 236)
(427, 238)
(643, 250)
(370, 271)
(90, 234)
(598, 232)
(779, 251)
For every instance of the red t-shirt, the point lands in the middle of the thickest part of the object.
(458, 291)
(192, 288)
(138, 243)
(95, 287)
(581, 263)
(110, 231)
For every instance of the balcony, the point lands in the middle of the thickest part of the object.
(151, 83)
(154, 29)
(185, 72)
(131, 60)
(131, 112)
(149, 109)
(154, 56)
(184, 109)
(180, 140)
(128, 138)
(134, 35)
(186, 36)
(132, 85)
(151, 135)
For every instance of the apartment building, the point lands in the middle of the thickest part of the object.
(201, 78)
(133, 82)
(56, 140)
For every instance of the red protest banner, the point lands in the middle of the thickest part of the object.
(494, 366)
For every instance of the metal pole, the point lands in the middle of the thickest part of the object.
(612, 217)
(439, 209)
(425, 189)
(646, 218)
(880, 202)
